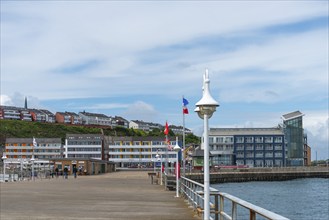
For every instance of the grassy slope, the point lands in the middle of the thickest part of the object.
(25, 129)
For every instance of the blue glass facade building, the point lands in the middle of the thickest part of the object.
(255, 147)
(294, 134)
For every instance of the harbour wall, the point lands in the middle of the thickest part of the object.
(261, 174)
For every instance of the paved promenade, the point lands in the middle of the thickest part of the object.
(119, 195)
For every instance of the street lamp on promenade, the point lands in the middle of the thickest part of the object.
(4, 166)
(32, 158)
(177, 149)
(205, 109)
(160, 159)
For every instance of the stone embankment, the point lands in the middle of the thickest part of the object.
(262, 174)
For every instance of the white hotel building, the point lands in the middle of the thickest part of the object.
(88, 146)
(140, 151)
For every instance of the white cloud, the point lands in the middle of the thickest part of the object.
(316, 124)
(5, 100)
(140, 111)
(133, 46)
(39, 40)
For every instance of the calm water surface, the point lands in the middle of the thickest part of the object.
(300, 199)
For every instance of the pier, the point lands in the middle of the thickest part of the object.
(114, 196)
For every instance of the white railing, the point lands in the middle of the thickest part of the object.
(193, 193)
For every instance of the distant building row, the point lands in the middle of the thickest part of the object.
(285, 145)
(82, 118)
(124, 151)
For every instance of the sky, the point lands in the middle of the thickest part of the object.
(137, 59)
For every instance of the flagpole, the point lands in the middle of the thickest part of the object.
(166, 161)
(183, 149)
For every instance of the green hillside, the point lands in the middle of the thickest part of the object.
(25, 129)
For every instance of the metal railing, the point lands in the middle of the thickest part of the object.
(193, 193)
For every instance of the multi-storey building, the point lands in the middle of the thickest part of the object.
(307, 152)
(68, 118)
(45, 149)
(75, 118)
(10, 113)
(42, 115)
(25, 114)
(140, 151)
(294, 134)
(88, 146)
(178, 130)
(144, 126)
(255, 147)
(95, 119)
(118, 121)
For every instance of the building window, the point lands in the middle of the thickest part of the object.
(220, 140)
(239, 140)
(259, 147)
(278, 139)
(249, 140)
(278, 154)
(240, 147)
(249, 147)
(268, 139)
(268, 147)
(259, 139)
(278, 147)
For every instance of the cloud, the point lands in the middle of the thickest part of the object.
(5, 100)
(140, 111)
(108, 106)
(71, 42)
(265, 57)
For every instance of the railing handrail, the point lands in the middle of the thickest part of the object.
(193, 191)
(259, 210)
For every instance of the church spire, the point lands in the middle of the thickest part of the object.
(25, 106)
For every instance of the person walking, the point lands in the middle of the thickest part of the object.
(65, 172)
(56, 172)
(75, 172)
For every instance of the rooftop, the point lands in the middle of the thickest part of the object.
(292, 115)
(246, 131)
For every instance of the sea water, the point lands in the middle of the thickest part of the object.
(299, 199)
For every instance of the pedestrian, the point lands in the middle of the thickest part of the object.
(75, 172)
(56, 172)
(65, 172)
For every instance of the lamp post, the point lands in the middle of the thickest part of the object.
(177, 149)
(34, 144)
(4, 166)
(160, 159)
(205, 108)
(21, 167)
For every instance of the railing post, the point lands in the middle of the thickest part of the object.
(221, 209)
(216, 206)
(252, 215)
(165, 180)
(234, 211)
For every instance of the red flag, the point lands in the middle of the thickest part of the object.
(166, 130)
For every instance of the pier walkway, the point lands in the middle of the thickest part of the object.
(113, 196)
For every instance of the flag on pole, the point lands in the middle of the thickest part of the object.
(185, 103)
(166, 130)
